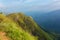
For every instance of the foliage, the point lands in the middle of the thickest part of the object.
(18, 26)
(13, 31)
(28, 24)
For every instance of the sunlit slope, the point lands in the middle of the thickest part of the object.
(29, 25)
(12, 30)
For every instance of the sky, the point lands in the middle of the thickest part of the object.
(29, 5)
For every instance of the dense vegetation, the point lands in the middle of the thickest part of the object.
(18, 26)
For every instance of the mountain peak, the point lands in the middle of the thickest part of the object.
(21, 27)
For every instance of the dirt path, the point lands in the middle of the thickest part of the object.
(3, 37)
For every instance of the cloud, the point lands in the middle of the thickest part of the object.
(29, 1)
(30, 5)
(54, 6)
(1, 5)
(56, 0)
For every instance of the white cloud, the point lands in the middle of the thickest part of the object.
(29, 0)
(1, 5)
(56, 0)
(31, 5)
(53, 6)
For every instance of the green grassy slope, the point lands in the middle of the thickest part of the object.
(14, 31)
(28, 24)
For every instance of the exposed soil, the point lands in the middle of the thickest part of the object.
(3, 36)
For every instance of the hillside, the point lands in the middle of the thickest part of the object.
(50, 20)
(18, 26)
(12, 30)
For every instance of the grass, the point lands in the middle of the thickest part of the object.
(13, 31)
(30, 25)
(18, 26)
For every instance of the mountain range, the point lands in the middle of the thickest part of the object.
(17, 26)
(49, 21)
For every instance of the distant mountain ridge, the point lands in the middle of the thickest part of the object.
(49, 21)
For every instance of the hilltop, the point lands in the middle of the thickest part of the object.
(18, 26)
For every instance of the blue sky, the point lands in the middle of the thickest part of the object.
(29, 5)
